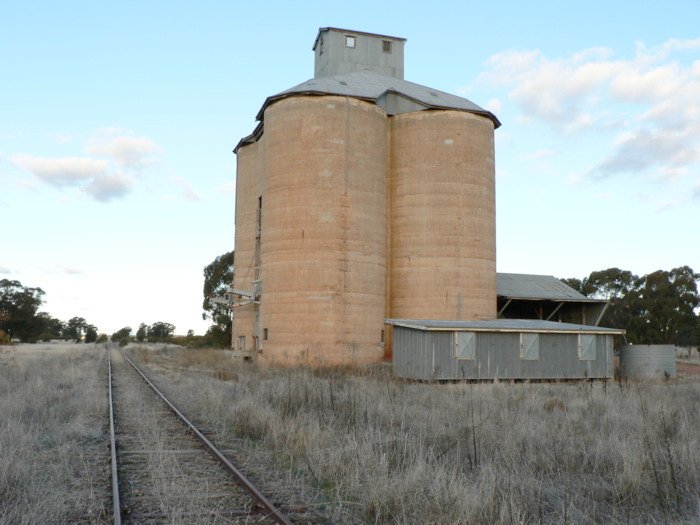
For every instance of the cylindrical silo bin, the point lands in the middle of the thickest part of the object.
(443, 222)
(248, 189)
(648, 361)
(323, 231)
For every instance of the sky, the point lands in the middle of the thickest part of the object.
(118, 121)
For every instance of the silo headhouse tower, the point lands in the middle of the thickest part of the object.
(360, 197)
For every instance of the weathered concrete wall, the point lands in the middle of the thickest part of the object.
(248, 173)
(324, 231)
(443, 227)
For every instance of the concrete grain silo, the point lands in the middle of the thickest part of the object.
(443, 216)
(360, 196)
(324, 223)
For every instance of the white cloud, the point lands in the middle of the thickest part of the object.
(494, 105)
(651, 99)
(227, 187)
(647, 148)
(542, 154)
(109, 187)
(69, 270)
(696, 193)
(64, 171)
(62, 138)
(115, 157)
(4, 270)
(188, 191)
(125, 150)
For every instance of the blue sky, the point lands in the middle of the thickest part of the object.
(118, 120)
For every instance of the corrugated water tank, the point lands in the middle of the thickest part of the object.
(648, 361)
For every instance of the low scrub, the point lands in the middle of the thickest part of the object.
(380, 450)
(54, 455)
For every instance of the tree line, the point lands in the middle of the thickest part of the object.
(662, 307)
(20, 319)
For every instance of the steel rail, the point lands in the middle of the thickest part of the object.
(116, 504)
(258, 496)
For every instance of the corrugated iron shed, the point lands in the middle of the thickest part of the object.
(501, 349)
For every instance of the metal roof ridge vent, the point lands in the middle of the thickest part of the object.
(338, 51)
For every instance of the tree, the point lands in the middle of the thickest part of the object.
(18, 308)
(218, 277)
(75, 329)
(90, 334)
(122, 335)
(48, 327)
(160, 331)
(656, 308)
(142, 332)
(573, 282)
(663, 307)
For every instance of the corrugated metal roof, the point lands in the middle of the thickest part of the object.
(502, 325)
(370, 86)
(538, 287)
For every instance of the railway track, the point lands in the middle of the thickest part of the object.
(164, 469)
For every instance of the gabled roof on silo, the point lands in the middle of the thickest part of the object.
(372, 87)
(538, 287)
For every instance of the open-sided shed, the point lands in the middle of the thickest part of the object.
(544, 297)
(501, 349)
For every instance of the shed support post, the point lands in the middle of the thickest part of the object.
(602, 313)
(555, 311)
(500, 312)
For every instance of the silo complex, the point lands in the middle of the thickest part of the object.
(360, 196)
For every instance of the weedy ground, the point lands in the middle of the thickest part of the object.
(360, 446)
(54, 467)
(376, 449)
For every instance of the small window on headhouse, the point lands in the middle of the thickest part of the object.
(264, 334)
(349, 41)
(382, 337)
(386, 46)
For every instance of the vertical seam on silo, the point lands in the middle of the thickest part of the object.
(347, 140)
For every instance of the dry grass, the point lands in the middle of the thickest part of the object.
(362, 446)
(53, 457)
(383, 450)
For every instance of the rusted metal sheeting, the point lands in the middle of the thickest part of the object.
(428, 355)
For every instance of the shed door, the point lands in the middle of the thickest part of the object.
(529, 346)
(465, 345)
(586, 347)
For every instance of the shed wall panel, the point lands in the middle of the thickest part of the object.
(430, 355)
